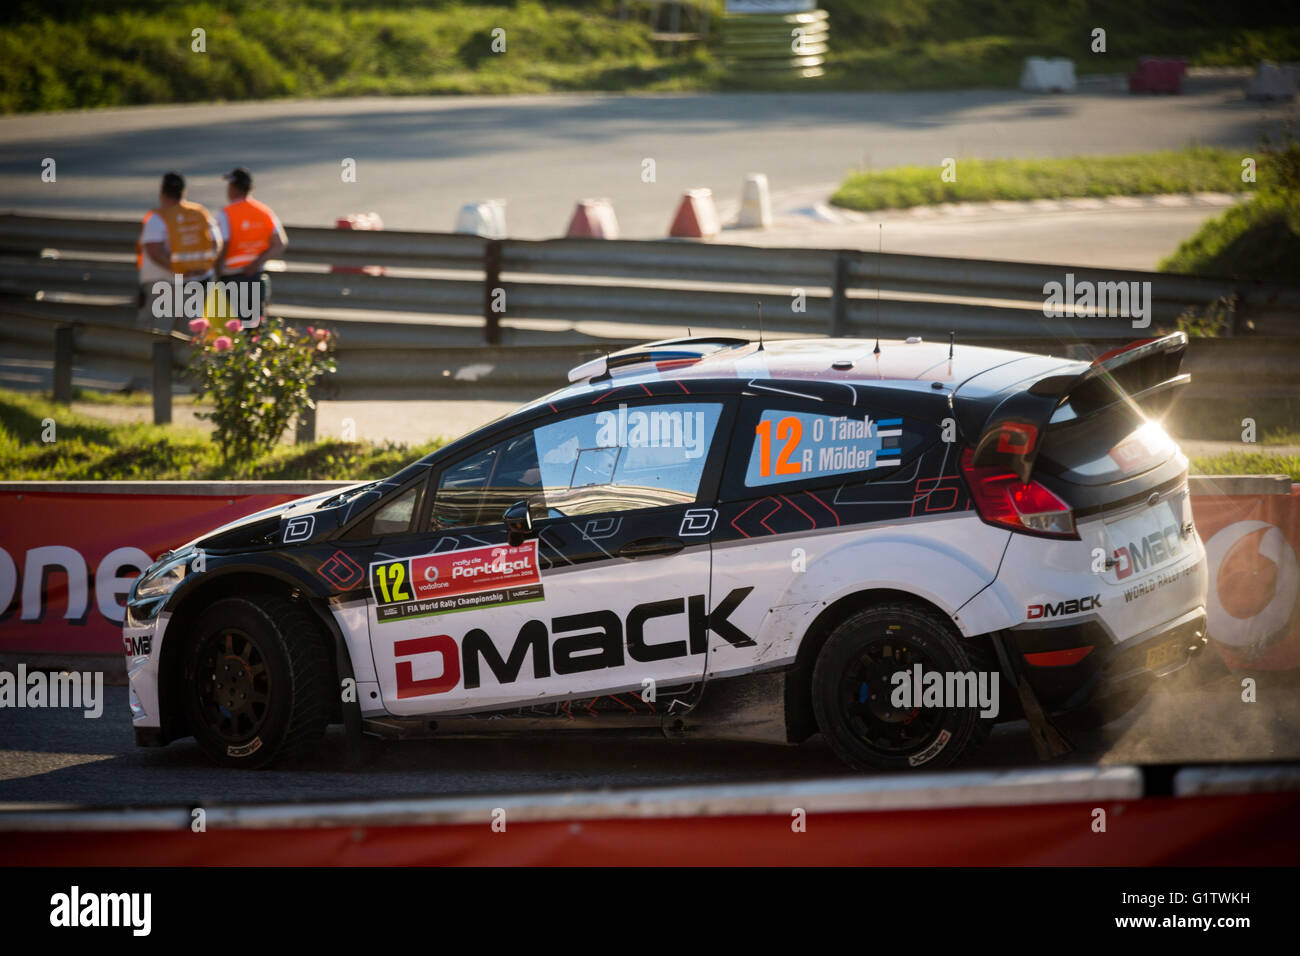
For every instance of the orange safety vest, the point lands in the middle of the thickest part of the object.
(139, 246)
(189, 236)
(251, 227)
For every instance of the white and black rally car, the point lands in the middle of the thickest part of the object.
(895, 543)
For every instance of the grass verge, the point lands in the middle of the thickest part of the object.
(1195, 169)
(1247, 463)
(88, 449)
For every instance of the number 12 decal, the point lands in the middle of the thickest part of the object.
(391, 577)
(789, 430)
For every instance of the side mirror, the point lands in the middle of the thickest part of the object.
(519, 523)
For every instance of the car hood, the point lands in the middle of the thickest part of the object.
(300, 521)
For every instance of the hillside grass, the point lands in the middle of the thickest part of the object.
(69, 54)
(1257, 240)
(87, 448)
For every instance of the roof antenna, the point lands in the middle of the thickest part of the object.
(760, 325)
(879, 251)
(952, 340)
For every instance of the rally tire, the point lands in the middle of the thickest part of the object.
(851, 688)
(258, 682)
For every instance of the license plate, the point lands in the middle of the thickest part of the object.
(1162, 654)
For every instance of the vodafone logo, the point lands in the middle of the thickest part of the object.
(1254, 581)
(44, 568)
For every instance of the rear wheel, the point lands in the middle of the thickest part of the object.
(257, 681)
(873, 722)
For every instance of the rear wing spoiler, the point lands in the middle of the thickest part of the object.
(1140, 378)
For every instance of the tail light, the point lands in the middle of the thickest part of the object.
(1002, 499)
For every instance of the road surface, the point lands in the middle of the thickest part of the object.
(418, 159)
(59, 757)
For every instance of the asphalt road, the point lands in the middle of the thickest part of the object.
(58, 757)
(419, 159)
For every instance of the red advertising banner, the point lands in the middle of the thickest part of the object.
(67, 560)
(1250, 543)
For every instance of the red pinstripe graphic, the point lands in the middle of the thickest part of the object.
(683, 387)
(824, 505)
(763, 520)
(591, 707)
(644, 701)
(798, 509)
(747, 511)
(565, 707)
(552, 406)
(623, 702)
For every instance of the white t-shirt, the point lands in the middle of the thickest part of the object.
(155, 230)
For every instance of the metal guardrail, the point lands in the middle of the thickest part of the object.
(443, 292)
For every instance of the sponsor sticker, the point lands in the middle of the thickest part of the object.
(486, 576)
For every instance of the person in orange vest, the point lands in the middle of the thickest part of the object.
(252, 233)
(179, 238)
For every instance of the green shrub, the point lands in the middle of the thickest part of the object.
(258, 381)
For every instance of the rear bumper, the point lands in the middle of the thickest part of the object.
(1105, 680)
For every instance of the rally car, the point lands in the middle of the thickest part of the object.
(895, 543)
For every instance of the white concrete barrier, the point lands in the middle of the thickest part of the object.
(486, 218)
(1041, 75)
(1272, 82)
(755, 203)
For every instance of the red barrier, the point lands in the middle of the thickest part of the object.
(1237, 830)
(67, 559)
(1154, 75)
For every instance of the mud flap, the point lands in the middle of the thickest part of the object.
(1048, 741)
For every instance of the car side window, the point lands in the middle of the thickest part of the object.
(619, 459)
(478, 489)
(395, 516)
(626, 458)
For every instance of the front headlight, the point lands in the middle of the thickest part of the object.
(164, 578)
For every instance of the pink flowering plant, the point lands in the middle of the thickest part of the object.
(258, 380)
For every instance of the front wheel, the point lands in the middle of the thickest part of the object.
(257, 681)
(875, 720)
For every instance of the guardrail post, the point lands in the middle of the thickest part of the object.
(162, 381)
(840, 296)
(64, 347)
(306, 431)
(491, 282)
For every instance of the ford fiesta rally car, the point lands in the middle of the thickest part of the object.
(715, 537)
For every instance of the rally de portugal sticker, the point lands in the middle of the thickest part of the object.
(487, 576)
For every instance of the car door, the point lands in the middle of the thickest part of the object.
(608, 590)
(803, 474)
